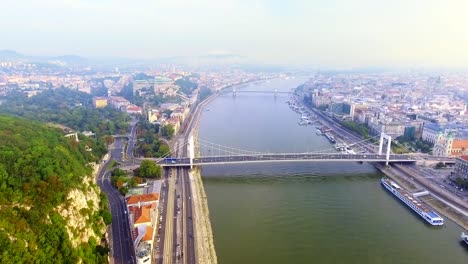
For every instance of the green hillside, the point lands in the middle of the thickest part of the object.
(38, 167)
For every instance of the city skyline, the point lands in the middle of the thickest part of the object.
(333, 34)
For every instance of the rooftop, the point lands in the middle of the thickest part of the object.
(148, 197)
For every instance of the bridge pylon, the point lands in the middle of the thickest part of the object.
(389, 145)
(191, 149)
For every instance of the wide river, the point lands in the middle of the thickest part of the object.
(305, 212)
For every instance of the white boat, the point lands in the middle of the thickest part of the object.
(412, 202)
(464, 237)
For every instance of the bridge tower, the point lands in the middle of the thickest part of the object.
(389, 144)
(191, 149)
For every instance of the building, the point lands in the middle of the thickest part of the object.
(153, 115)
(118, 102)
(142, 217)
(348, 109)
(99, 102)
(449, 145)
(410, 132)
(139, 85)
(143, 199)
(133, 109)
(461, 167)
(432, 132)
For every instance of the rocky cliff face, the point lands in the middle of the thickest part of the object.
(80, 210)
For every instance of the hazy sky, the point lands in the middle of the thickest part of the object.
(339, 33)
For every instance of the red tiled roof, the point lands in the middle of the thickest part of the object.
(149, 197)
(149, 234)
(459, 143)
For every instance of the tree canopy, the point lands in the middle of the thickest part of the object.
(167, 131)
(67, 107)
(148, 169)
(38, 167)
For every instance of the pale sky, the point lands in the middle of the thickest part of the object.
(328, 33)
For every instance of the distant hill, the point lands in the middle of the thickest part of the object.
(10, 55)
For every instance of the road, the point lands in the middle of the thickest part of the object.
(120, 238)
(121, 245)
(183, 244)
(158, 247)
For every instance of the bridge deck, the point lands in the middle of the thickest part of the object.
(305, 157)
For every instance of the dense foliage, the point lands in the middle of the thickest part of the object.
(38, 166)
(148, 169)
(204, 93)
(69, 108)
(463, 183)
(416, 144)
(361, 129)
(186, 85)
(148, 144)
(167, 131)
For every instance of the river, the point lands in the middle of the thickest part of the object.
(305, 212)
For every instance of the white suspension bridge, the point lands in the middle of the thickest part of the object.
(203, 152)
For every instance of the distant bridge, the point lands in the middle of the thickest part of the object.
(265, 92)
(274, 92)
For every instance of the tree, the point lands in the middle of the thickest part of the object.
(106, 216)
(119, 183)
(167, 131)
(123, 190)
(440, 165)
(132, 183)
(148, 169)
(163, 150)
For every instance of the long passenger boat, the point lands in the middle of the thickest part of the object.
(412, 202)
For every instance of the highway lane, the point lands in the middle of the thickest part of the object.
(174, 236)
(169, 224)
(161, 233)
(189, 248)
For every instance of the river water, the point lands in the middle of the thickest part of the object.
(305, 212)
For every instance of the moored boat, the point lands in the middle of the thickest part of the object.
(412, 202)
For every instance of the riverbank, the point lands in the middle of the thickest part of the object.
(203, 238)
(204, 242)
(431, 200)
(447, 208)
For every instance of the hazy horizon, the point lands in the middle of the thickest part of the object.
(338, 33)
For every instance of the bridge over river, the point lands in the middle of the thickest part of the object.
(218, 154)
